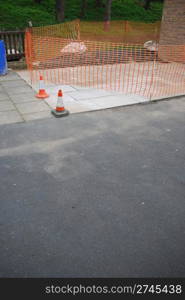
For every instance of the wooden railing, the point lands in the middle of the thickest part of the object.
(14, 43)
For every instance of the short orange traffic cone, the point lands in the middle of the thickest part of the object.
(42, 93)
(60, 110)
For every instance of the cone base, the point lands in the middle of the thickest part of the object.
(40, 96)
(60, 114)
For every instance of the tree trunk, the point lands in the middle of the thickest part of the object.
(60, 10)
(147, 4)
(83, 8)
(98, 3)
(107, 16)
(108, 6)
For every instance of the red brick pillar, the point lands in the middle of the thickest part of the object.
(172, 36)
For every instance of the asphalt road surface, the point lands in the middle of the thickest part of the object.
(98, 194)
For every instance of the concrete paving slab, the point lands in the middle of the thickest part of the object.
(37, 115)
(10, 76)
(18, 90)
(10, 117)
(52, 102)
(25, 97)
(3, 96)
(32, 107)
(14, 83)
(6, 105)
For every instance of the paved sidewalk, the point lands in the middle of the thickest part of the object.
(17, 101)
(82, 99)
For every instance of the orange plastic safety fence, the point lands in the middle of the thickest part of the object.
(64, 55)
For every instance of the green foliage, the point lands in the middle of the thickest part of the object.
(134, 11)
(16, 14)
(127, 10)
(155, 11)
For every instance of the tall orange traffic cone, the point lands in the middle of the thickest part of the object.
(42, 93)
(60, 110)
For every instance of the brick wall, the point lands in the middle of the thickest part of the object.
(173, 30)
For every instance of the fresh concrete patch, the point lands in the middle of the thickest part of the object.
(79, 88)
(88, 94)
(93, 99)
(9, 117)
(90, 105)
(74, 108)
(56, 88)
(113, 101)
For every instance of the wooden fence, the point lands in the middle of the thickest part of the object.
(14, 43)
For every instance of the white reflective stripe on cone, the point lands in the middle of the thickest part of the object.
(41, 85)
(60, 102)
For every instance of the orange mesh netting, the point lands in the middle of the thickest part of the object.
(108, 56)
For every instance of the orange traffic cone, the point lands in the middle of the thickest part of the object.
(42, 93)
(60, 110)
